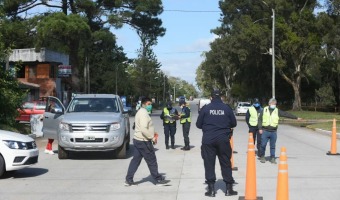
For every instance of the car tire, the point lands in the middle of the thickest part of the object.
(2, 166)
(62, 153)
(120, 153)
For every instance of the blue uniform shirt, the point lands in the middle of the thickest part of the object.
(216, 120)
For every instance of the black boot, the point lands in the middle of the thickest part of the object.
(211, 190)
(230, 191)
(172, 146)
(166, 146)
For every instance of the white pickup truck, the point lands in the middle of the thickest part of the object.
(91, 122)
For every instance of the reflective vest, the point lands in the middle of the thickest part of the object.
(183, 120)
(254, 116)
(270, 119)
(166, 112)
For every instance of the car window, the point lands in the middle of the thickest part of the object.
(28, 105)
(40, 105)
(245, 104)
(94, 105)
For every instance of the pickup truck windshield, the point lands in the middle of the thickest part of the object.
(93, 105)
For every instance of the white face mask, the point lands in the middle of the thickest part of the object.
(272, 106)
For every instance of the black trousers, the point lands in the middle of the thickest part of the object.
(169, 131)
(143, 149)
(222, 150)
(258, 138)
(186, 130)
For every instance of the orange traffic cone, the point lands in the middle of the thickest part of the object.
(232, 154)
(282, 177)
(251, 172)
(333, 141)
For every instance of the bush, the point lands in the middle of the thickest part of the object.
(11, 97)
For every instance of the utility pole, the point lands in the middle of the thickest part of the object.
(273, 54)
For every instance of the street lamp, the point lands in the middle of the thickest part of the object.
(87, 85)
(117, 75)
(272, 49)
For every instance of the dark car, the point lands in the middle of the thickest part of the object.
(181, 99)
(30, 108)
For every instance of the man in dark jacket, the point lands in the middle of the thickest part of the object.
(169, 117)
(268, 124)
(185, 120)
(252, 119)
(217, 121)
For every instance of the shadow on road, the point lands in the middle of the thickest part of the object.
(25, 173)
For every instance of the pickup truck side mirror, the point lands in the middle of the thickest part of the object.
(57, 111)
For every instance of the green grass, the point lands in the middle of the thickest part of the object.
(18, 127)
(311, 115)
(316, 120)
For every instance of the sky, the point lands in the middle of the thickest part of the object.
(187, 36)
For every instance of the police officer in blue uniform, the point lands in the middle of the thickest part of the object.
(217, 121)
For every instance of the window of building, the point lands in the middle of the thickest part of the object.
(32, 72)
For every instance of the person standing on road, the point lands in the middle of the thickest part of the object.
(185, 117)
(169, 117)
(268, 124)
(217, 121)
(143, 141)
(252, 118)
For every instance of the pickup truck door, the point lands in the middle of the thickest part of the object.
(53, 115)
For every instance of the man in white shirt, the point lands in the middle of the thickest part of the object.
(143, 141)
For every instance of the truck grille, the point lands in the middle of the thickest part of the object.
(89, 127)
(89, 141)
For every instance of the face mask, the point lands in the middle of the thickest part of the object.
(256, 105)
(272, 106)
(148, 108)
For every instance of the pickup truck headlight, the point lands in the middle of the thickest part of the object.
(15, 144)
(115, 126)
(64, 127)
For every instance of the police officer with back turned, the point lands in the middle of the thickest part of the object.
(217, 121)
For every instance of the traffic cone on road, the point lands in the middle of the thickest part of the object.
(333, 140)
(282, 177)
(232, 154)
(250, 191)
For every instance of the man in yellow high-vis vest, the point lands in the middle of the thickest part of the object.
(268, 124)
(169, 117)
(252, 119)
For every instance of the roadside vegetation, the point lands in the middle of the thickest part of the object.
(315, 120)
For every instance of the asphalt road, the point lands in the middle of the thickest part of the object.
(312, 174)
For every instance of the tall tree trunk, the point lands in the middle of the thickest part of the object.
(296, 84)
(64, 6)
(297, 97)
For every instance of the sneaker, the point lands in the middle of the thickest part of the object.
(130, 183)
(49, 152)
(162, 182)
(273, 161)
(262, 159)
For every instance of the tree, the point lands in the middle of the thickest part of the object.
(326, 96)
(242, 49)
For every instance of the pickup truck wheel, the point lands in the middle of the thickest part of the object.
(62, 153)
(2, 166)
(121, 151)
(128, 143)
